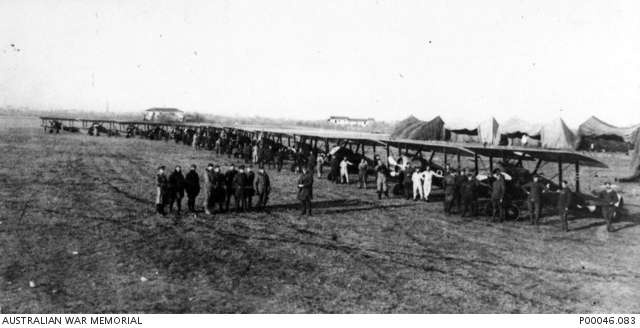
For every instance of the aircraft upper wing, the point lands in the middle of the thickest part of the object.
(552, 156)
(426, 145)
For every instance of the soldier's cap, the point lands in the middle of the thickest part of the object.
(232, 165)
(536, 176)
(241, 167)
(161, 167)
(260, 167)
(210, 165)
(217, 166)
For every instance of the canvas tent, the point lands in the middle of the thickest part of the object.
(605, 136)
(414, 129)
(512, 133)
(635, 162)
(461, 130)
(488, 132)
(556, 135)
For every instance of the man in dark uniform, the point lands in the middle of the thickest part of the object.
(249, 192)
(335, 169)
(382, 174)
(469, 193)
(305, 190)
(176, 189)
(228, 179)
(498, 192)
(611, 198)
(280, 159)
(162, 198)
(247, 153)
(460, 179)
(192, 187)
(219, 194)
(363, 169)
(448, 184)
(270, 155)
(239, 185)
(311, 162)
(534, 198)
(262, 186)
(564, 201)
(407, 182)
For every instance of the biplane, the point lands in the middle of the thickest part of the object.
(511, 162)
(98, 126)
(58, 123)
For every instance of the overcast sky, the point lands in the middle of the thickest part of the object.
(312, 59)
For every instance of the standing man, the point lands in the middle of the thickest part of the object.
(344, 171)
(280, 159)
(460, 179)
(428, 181)
(335, 168)
(219, 194)
(498, 192)
(176, 189)
(305, 190)
(416, 178)
(249, 191)
(611, 198)
(319, 162)
(162, 198)
(192, 187)
(363, 169)
(228, 179)
(239, 185)
(565, 198)
(262, 186)
(247, 153)
(255, 154)
(407, 181)
(534, 198)
(209, 186)
(469, 195)
(382, 173)
(448, 184)
(312, 162)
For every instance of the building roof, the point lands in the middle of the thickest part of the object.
(164, 110)
(338, 118)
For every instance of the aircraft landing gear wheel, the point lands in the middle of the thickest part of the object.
(488, 209)
(512, 213)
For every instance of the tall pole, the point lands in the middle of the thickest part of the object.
(445, 157)
(560, 171)
(577, 175)
(476, 163)
(490, 164)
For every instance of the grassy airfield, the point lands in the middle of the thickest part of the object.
(77, 219)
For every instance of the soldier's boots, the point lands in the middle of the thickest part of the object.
(386, 193)
(379, 194)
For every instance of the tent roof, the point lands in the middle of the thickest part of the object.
(414, 129)
(459, 124)
(556, 135)
(594, 127)
(518, 125)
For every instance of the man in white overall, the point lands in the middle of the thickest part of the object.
(344, 172)
(416, 178)
(428, 179)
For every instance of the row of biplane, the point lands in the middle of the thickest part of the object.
(514, 162)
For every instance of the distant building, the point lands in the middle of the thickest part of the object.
(164, 114)
(343, 120)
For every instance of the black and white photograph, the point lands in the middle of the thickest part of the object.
(319, 157)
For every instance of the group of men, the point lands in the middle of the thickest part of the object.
(242, 184)
(460, 188)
